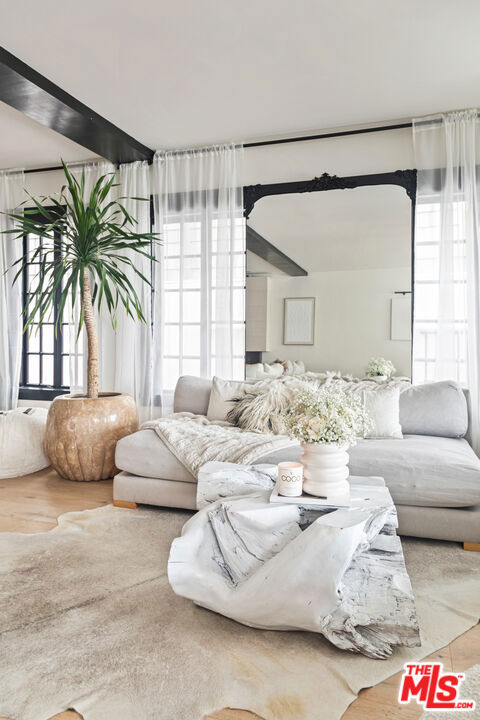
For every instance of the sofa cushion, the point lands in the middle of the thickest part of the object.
(434, 409)
(144, 453)
(290, 454)
(418, 470)
(192, 395)
(421, 470)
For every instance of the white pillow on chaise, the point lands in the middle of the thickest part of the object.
(253, 370)
(261, 371)
(293, 367)
(383, 406)
(272, 370)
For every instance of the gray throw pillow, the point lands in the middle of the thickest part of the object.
(438, 408)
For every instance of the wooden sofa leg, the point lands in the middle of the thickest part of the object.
(475, 547)
(125, 504)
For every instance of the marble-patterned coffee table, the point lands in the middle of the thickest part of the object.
(338, 572)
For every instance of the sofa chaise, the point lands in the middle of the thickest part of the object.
(433, 473)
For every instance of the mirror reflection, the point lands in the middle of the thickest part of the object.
(329, 279)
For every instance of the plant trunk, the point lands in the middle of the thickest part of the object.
(92, 338)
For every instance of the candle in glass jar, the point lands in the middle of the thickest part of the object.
(290, 479)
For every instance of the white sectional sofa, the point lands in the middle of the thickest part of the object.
(433, 473)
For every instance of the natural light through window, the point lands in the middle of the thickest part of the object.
(45, 352)
(431, 309)
(190, 294)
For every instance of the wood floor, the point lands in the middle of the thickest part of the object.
(32, 504)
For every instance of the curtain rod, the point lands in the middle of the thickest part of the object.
(339, 133)
(281, 141)
(45, 169)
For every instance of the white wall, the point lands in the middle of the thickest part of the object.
(352, 319)
(34, 403)
(44, 183)
(349, 155)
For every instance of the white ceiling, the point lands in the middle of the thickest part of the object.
(26, 144)
(190, 72)
(360, 229)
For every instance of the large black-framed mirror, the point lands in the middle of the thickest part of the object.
(335, 255)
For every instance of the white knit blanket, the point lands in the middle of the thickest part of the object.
(194, 441)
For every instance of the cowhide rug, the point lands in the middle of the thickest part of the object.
(88, 621)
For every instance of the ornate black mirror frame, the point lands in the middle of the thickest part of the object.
(407, 179)
(404, 178)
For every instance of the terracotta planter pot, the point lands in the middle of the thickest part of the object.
(81, 434)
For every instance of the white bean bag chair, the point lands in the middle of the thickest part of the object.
(21, 441)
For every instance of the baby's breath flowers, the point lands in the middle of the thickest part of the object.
(379, 366)
(327, 415)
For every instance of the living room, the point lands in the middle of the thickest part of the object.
(239, 367)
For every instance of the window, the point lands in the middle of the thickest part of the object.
(45, 360)
(427, 298)
(190, 297)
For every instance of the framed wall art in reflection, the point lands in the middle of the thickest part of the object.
(299, 321)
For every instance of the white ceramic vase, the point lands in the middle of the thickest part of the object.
(325, 470)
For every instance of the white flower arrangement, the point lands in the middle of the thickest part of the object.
(379, 366)
(327, 415)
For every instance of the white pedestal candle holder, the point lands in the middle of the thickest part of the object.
(325, 470)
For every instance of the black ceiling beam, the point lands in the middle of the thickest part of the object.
(24, 89)
(257, 244)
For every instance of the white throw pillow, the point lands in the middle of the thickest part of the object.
(383, 406)
(254, 370)
(298, 367)
(294, 367)
(221, 397)
(273, 370)
(261, 371)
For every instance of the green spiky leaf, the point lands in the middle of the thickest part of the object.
(94, 233)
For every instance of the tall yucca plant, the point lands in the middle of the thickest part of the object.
(83, 239)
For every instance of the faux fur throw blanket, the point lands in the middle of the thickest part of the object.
(194, 441)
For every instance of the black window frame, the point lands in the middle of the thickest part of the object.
(29, 391)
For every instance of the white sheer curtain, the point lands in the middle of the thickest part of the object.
(199, 314)
(133, 339)
(11, 195)
(447, 253)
